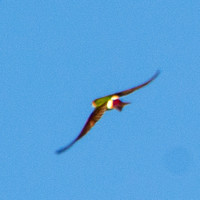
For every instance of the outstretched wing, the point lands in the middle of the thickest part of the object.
(93, 118)
(101, 100)
(126, 92)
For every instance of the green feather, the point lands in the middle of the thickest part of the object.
(101, 101)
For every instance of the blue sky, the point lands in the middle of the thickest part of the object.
(58, 56)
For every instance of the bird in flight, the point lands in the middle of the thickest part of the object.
(103, 104)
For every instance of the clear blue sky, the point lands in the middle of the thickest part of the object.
(58, 56)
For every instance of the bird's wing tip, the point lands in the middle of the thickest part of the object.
(158, 72)
(58, 152)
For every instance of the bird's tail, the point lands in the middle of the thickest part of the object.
(120, 106)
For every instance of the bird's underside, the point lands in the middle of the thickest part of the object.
(102, 104)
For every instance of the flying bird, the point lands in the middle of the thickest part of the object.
(103, 104)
